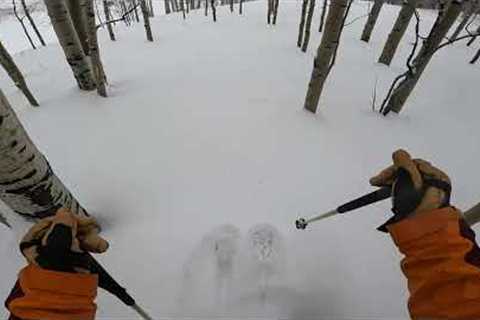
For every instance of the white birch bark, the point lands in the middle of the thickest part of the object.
(94, 50)
(396, 35)
(404, 89)
(146, 20)
(372, 20)
(308, 25)
(6, 61)
(326, 53)
(27, 183)
(70, 43)
(108, 17)
(301, 26)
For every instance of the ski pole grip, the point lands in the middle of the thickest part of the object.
(106, 282)
(375, 196)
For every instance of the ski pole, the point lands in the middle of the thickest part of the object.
(112, 286)
(375, 196)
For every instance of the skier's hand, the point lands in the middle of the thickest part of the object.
(60, 242)
(426, 187)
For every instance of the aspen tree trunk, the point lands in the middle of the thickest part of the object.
(275, 11)
(182, 7)
(187, 5)
(240, 7)
(322, 16)
(167, 7)
(20, 20)
(468, 13)
(78, 12)
(326, 53)
(473, 38)
(95, 51)
(301, 27)
(32, 22)
(475, 57)
(395, 36)
(151, 11)
(124, 11)
(231, 6)
(269, 11)
(175, 6)
(206, 8)
(27, 183)
(438, 33)
(308, 26)
(472, 215)
(137, 18)
(146, 20)
(108, 17)
(372, 20)
(14, 73)
(214, 10)
(70, 43)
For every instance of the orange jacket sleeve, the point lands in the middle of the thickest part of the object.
(442, 265)
(45, 294)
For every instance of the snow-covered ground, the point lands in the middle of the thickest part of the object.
(202, 158)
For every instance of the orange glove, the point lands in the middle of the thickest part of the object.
(422, 188)
(60, 242)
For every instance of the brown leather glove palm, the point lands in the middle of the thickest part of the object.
(61, 242)
(417, 186)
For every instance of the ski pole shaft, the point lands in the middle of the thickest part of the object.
(107, 282)
(372, 197)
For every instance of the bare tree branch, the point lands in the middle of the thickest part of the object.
(20, 19)
(122, 18)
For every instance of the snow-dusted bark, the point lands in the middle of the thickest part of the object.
(301, 27)
(94, 51)
(32, 22)
(437, 34)
(308, 25)
(322, 16)
(78, 13)
(146, 20)
(395, 36)
(14, 73)
(372, 20)
(70, 43)
(326, 52)
(27, 183)
(108, 16)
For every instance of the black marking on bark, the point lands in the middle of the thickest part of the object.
(22, 150)
(1, 120)
(13, 144)
(27, 176)
(31, 158)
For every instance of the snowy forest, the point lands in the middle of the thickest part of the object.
(196, 132)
